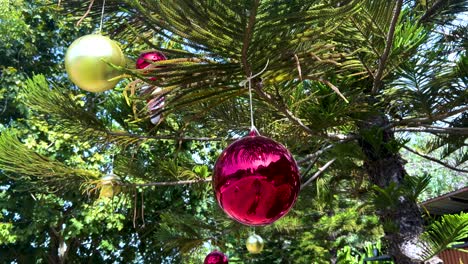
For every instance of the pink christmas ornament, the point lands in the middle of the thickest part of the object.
(146, 58)
(153, 104)
(256, 180)
(216, 257)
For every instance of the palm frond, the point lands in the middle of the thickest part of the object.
(443, 233)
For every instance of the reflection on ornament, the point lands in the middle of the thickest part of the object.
(86, 62)
(254, 244)
(147, 58)
(256, 180)
(110, 186)
(216, 257)
(154, 104)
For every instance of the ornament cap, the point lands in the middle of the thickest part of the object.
(254, 132)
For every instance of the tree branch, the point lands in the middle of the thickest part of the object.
(86, 13)
(314, 155)
(435, 130)
(248, 36)
(318, 173)
(435, 160)
(432, 10)
(388, 47)
(282, 108)
(422, 120)
(335, 89)
(169, 137)
(175, 183)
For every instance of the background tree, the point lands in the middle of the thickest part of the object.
(341, 78)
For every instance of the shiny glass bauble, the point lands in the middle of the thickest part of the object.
(147, 58)
(256, 180)
(110, 186)
(216, 257)
(254, 244)
(86, 62)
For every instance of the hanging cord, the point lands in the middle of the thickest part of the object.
(102, 15)
(249, 80)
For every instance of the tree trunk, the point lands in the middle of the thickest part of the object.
(402, 225)
(56, 243)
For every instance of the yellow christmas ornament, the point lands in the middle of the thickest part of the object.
(254, 244)
(110, 186)
(86, 62)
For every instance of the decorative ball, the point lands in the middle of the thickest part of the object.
(153, 104)
(256, 180)
(110, 186)
(216, 257)
(254, 244)
(146, 58)
(86, 62)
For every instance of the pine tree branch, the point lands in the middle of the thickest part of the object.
(435, 130)
(86, 13)
(318, 173)
(282, 108)
(248, 37)
(314, 155)
(174, 183)
(435, 160)
(168, 137)
(16, 158)
(335, 89)
(432, 118)
(432, 10)
(388, 46)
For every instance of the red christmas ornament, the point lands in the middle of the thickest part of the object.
(256, 180)
(216, 257)
(146, 58)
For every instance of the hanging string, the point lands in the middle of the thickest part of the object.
(102, 15)
(249, 80)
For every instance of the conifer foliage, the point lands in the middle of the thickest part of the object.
(342, 84)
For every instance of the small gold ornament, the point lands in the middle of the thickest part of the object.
(86, 62)
(254, 244)
(110, 186)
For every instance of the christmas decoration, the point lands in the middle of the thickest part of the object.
(155, 103)
(110, 186)
(146, 58)
(216, 257)
(86, 62)
(256, 180)
(254, 244)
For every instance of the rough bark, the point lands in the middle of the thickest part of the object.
(55, 255)
(384, 166)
